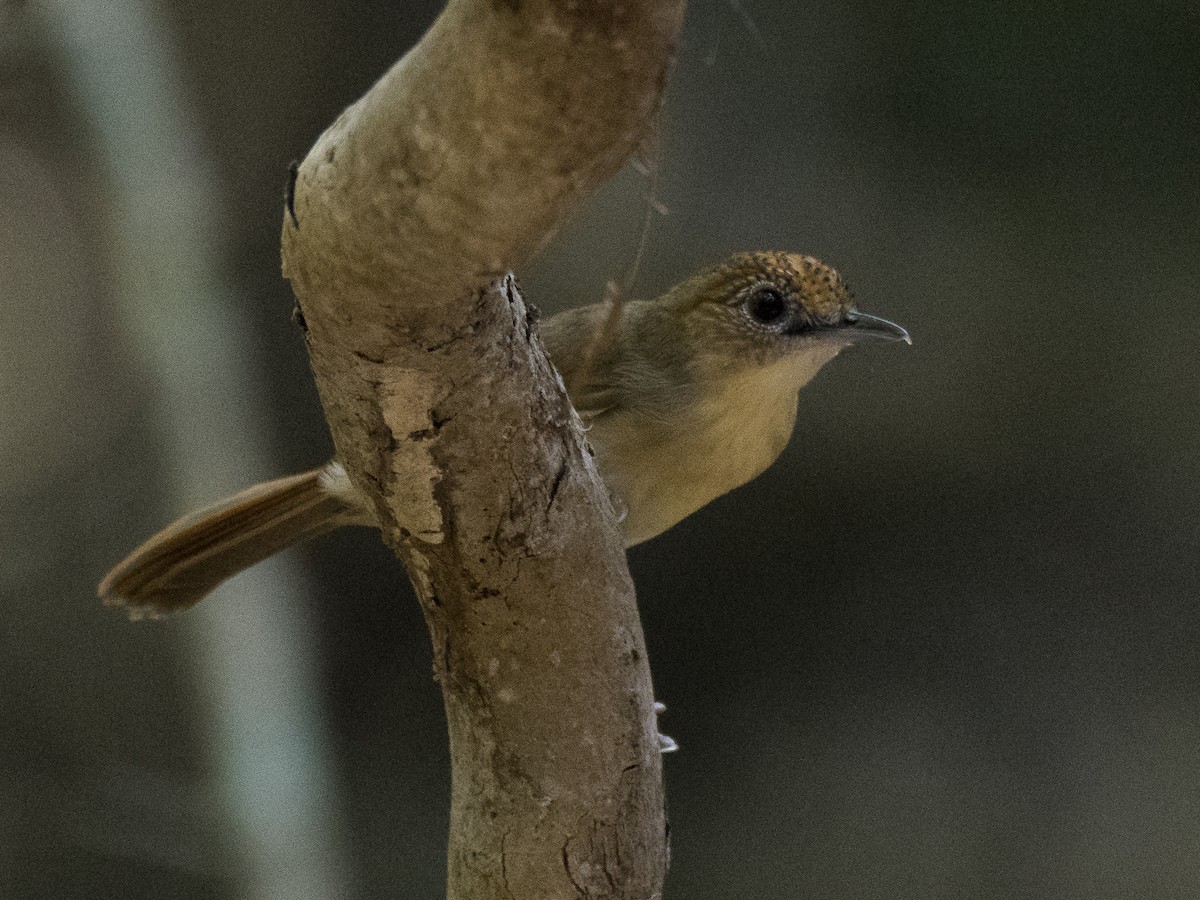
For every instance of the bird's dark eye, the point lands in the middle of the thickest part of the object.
(766, 306)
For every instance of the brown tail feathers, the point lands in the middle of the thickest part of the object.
(187, 559)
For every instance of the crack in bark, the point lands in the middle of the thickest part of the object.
(504, 864)
(566, 862)
(559, 476)
(289, 192)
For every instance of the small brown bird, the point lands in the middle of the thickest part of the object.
(687, 397)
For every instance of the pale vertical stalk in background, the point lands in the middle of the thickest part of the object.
(254, 653)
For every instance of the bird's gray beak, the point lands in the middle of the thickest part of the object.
(862, 326)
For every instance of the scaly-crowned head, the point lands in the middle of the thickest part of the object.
(765, 306)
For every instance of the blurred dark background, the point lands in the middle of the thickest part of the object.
(946, 647)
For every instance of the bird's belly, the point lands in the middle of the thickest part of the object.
(658, 482)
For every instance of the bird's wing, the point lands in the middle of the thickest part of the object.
(594, 400)
(584, 364)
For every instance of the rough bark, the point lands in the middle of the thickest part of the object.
(405, 218)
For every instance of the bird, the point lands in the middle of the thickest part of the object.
(684, 398)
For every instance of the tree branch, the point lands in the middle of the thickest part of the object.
(453, 169)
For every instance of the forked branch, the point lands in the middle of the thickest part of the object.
(406, 217)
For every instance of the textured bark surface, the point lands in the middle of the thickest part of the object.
(406, 215)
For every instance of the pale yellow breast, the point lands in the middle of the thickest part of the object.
(662, 472)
